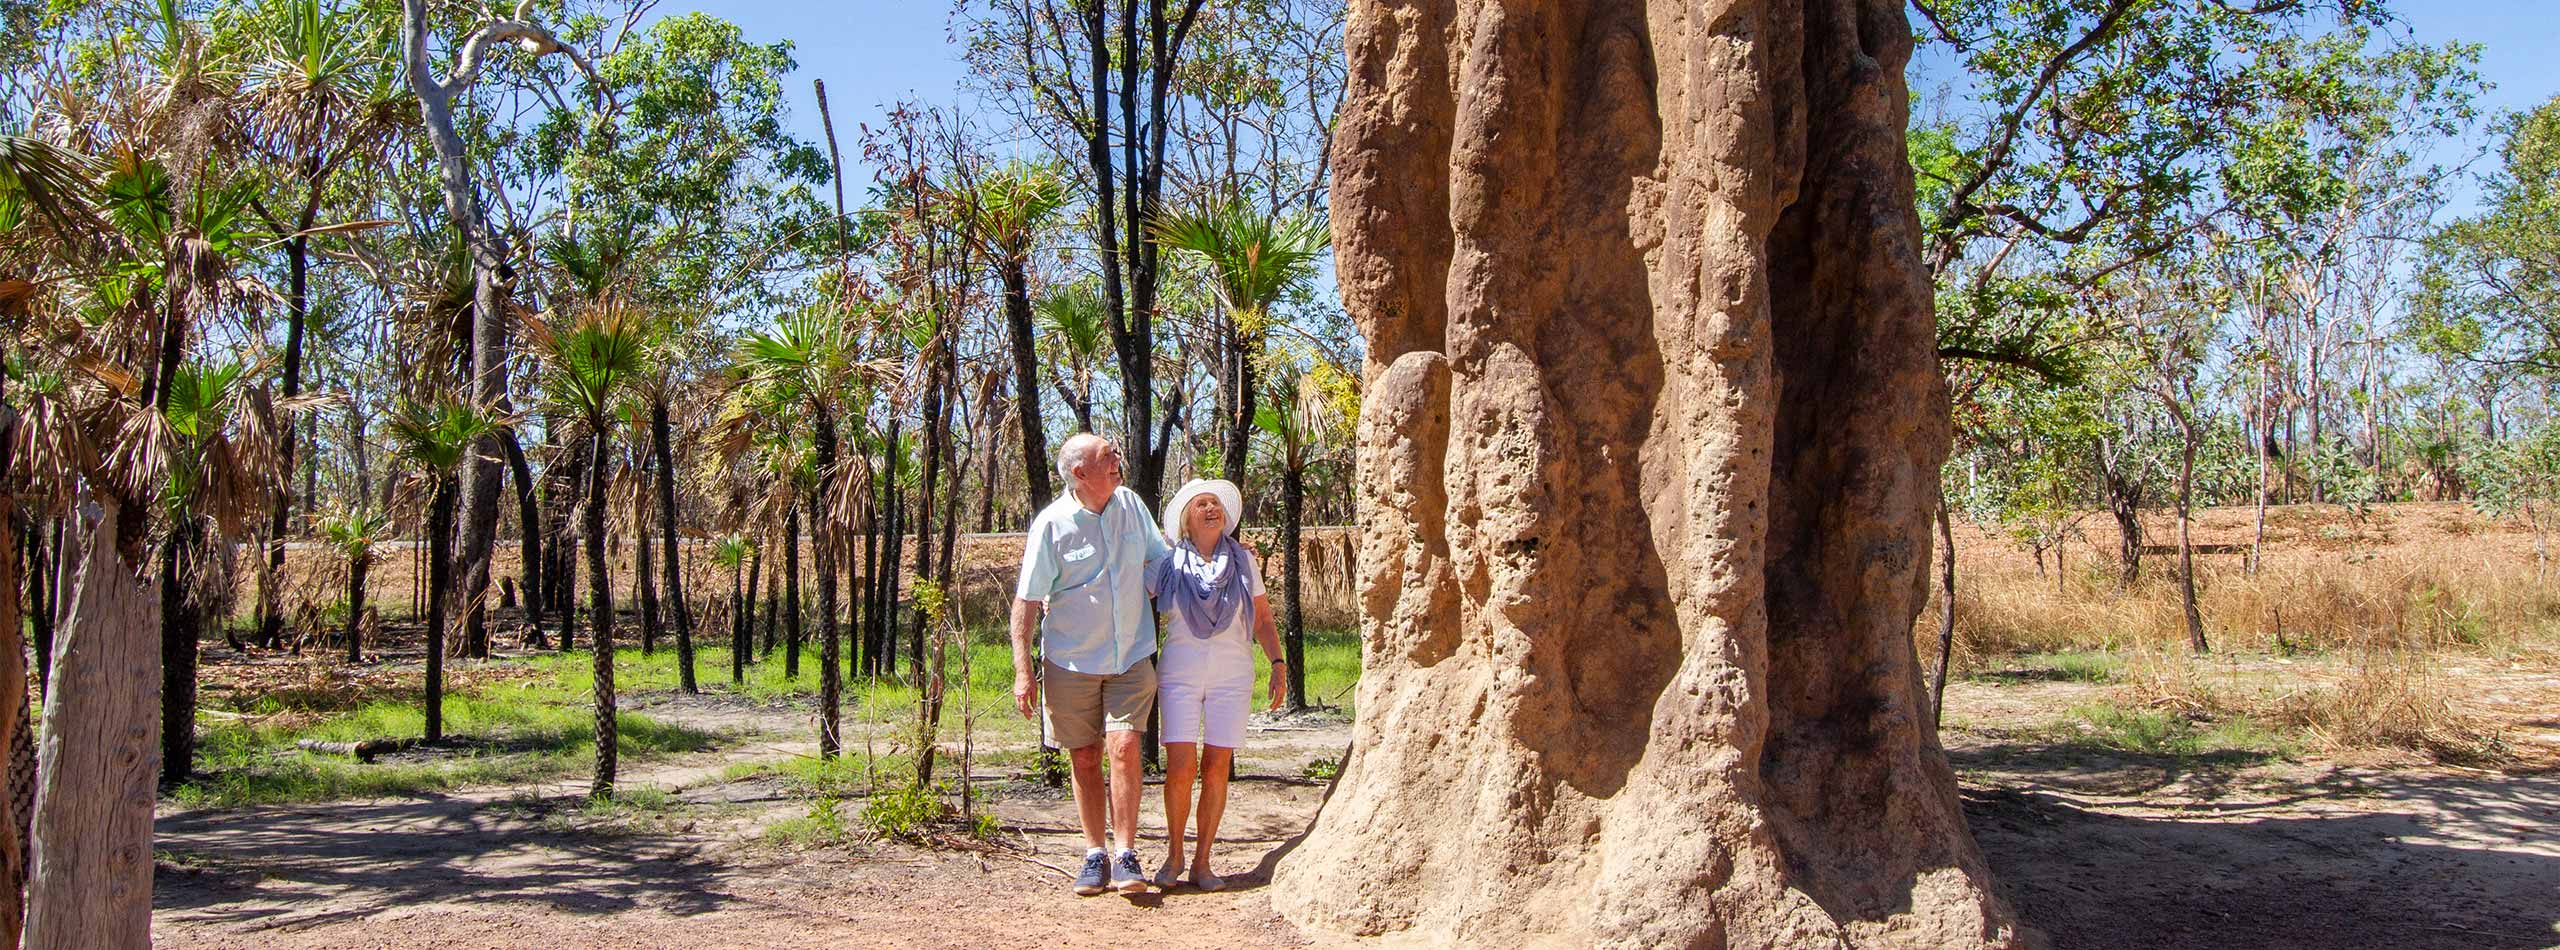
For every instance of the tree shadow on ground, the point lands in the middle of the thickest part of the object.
(2346, 859)
(313, 865)
(2089, 767)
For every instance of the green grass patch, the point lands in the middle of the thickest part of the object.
(2151, 732)
(539, 727)
(498, 733)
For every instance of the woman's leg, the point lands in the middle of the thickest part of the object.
(1181, 762)
(1213, 803)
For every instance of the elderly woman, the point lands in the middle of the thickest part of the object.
(1210, 592)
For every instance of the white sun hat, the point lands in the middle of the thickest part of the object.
(1229, 497)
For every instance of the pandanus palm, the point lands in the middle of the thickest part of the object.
(217, 446)
(759, 428)
(1010, 207)
(1304, 414)
(352, 534)
(803, 359)
(117, 268)
(324, 97)
(1073, 321)
(433, 439)
(589, 363)
(1252, 259)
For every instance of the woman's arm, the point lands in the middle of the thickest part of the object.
(1267, 632)
(1156, 571)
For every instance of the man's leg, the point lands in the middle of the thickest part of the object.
(1085, 764)
(1074, 714)
(1127, 782)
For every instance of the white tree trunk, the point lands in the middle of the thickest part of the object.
(99, 758)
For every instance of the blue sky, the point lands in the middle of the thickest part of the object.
(875, 52)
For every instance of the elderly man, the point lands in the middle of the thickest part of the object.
(1083, 587)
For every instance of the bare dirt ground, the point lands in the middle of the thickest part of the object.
(2095, 849)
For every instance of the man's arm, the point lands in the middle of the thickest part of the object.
(1026, 625)
(1030, 595)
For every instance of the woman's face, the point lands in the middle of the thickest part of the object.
(1204, 515)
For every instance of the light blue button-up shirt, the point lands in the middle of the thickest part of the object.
(1092, 569)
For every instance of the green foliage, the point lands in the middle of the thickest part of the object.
(353, 532)
(593, 360)
(905, 811)
(1074, 323)
(1253, 258)
(2489, 291)
(2516, 478)
(519, 733)
(434, 436)
(823, 826)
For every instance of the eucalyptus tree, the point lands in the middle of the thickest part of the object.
(1104, 89)
(589, 363)
(492, 268)
(1252, 259)
(712, 193)
(433, 438)
(2489, 291)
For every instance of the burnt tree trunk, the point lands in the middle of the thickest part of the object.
(830, 674)
(791, 594)
(356, 571)
(529, 560)
(747, 621)
(180, 626)
(439, 586)
(738, 625)
(1026, 387)
(600, 591)
(1648, 455)
(644, 582)
(673, 569)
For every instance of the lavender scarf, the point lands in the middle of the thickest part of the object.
(1206, 591)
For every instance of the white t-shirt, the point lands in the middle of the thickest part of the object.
(1224, 658)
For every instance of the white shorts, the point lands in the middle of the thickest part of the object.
(1211, 714)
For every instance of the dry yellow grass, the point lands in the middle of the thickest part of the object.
(2415, 576)
(2340, 637)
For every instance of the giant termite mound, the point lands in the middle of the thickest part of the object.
(1648, 454)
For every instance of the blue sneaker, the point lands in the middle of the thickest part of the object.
(1097, 869)
(1127, 876)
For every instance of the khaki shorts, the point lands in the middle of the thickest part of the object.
(1083, 706)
